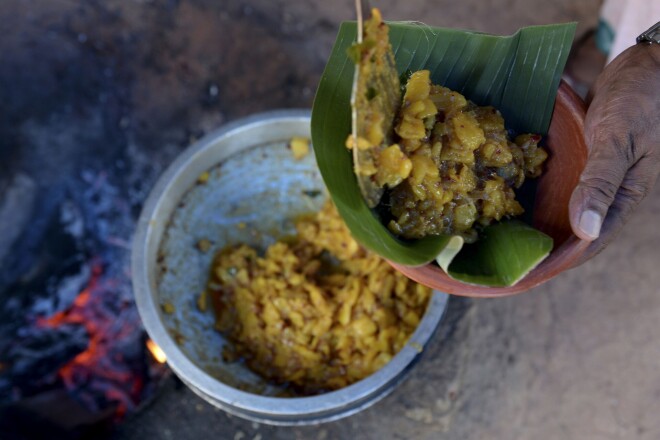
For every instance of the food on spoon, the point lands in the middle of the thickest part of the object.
(375, 99)
(444, 165)
(317, 311)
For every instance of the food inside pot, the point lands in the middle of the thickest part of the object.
(316, 311)
(442, 165)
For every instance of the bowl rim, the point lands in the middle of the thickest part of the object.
(274, 410)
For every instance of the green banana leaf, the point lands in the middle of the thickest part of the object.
(517, 74)
(503, 255)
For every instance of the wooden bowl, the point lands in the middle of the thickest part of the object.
(568, 156)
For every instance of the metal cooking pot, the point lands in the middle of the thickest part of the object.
(252, 191)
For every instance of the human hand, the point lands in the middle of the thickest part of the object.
(622, 132)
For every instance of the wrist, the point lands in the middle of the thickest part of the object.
(645, 56)
(652, 51)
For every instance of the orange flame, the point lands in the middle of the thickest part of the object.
(156, 351)
(88, 362)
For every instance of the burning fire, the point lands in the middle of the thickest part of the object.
(156, 351)
(102, 367)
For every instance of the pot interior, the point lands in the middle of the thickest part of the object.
(251, 197)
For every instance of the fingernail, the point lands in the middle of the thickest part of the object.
(590, 223)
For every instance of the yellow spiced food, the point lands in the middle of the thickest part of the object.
(463, 167)
(440, 164)
(315, 311)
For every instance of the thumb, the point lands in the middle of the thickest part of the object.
(598, 186)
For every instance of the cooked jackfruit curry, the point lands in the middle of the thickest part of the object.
(443, 165)
(316, 311)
